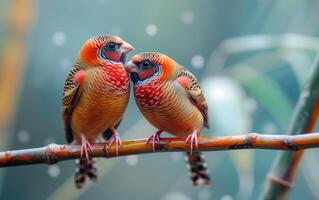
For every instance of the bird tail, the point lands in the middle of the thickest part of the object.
(85, 168)
(197, 167)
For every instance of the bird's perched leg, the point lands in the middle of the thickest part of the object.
(115, 139)
(85, 147)
(192, 138)
(155, 138)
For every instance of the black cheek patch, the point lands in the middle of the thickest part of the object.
(134, 77)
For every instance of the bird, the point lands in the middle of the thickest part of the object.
(95, 97)
(170, 97)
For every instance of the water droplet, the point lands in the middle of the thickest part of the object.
(197, 61)
(131, 160)
(226, 197)
(23, 136)
(54, 171)
(187, 17)
(176, 196)
(58, 38)
(151, 29)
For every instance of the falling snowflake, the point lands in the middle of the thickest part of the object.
(197, 61)
(131, 160)
(187, 17)
(226, 197)
(176, 196)
(54, 171)
(23, 136)
(58, 38)
(151, 29)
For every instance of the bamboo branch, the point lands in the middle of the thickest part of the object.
(54, 153)
(283, 173)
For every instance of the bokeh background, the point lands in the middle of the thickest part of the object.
(252, 57)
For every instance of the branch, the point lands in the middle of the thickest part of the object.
(284, 170)
(54, 153)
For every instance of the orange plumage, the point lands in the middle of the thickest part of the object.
(170, 98)
(96, 94)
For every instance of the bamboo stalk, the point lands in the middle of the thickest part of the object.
(282, 175)
(54, 153)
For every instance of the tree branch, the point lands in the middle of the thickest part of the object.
(54, 153)
(282, 175)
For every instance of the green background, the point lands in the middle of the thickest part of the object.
(252, 58)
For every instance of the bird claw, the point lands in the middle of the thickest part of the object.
(85, 146)
(116, 140)
(192, 138)
(155, 138)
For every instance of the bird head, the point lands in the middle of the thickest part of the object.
(109, 48)
(148, 66)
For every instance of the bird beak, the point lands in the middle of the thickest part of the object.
(126, 47)
(130, 67)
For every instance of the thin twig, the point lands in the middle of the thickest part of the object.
(54, 153)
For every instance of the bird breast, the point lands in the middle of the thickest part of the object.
(167, 107)
(103, 101)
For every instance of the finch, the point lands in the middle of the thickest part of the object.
(95, 97)
(170, 98)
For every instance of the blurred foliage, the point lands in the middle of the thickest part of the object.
(252, 58)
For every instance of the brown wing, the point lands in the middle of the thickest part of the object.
(194, 91)
(71, 95)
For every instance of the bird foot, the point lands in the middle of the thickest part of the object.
(116, 140)
(85, 147)
(155, 138)
(192, 138)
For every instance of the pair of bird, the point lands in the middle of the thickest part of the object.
(96, 94)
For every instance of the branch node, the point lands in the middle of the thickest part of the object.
(49, 155)
(290, 144)
(247, 144)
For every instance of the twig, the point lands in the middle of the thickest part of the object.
(284, 170)
(54, 153)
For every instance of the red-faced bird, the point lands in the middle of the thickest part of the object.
(96, 94)
(170, 98)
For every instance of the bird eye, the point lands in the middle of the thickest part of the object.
(111, 46)
(145, 65)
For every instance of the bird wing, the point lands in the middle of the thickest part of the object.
(194, 92)
(71, 94)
